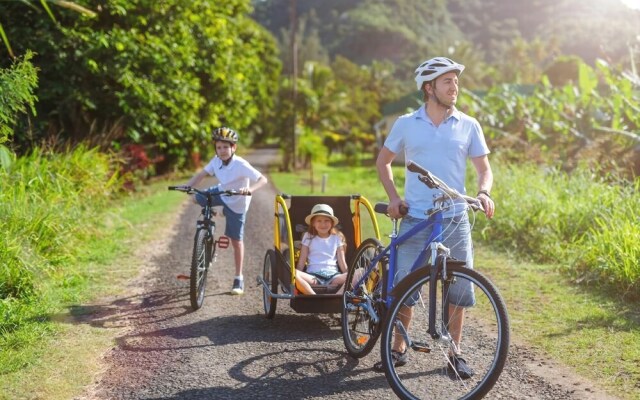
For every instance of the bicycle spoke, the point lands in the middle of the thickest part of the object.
(429, 372)
(361, 313)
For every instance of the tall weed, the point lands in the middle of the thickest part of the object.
(48, 202)
(581, 221)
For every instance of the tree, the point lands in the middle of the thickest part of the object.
(17, 84)
(157, 73)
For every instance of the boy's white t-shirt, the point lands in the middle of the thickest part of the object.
(236, 175)
(322, 254)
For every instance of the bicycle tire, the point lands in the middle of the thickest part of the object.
(269, 274)
(485, 339)
(359, 331)
(199, 266)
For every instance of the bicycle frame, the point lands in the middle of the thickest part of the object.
(433, 243)
(207, 222)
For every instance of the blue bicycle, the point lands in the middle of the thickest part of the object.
(372, 306)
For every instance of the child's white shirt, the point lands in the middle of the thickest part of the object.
(236, 175)
(322, 252)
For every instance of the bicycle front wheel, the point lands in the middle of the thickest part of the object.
(269, 275)
(428, 373)
(202, 248)
(362, 309)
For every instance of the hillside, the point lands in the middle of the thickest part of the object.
(398, 30)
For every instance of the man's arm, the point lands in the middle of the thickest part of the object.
(485, 183)
(385, 174)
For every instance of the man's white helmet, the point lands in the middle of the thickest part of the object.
(431, 69)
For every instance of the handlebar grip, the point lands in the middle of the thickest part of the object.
(180, 188)
(404, 210)
(414, 167)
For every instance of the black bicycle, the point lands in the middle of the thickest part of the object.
(204, 243)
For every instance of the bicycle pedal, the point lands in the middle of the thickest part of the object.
(183, 277)
(421, 347)
(223, 242)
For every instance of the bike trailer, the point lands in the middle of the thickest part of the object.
(278, 278)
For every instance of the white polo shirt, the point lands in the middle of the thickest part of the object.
(443, 150)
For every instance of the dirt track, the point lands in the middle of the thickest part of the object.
(229, 350)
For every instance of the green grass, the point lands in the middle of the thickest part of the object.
(542, 216)
(48, 354)
(593, 333)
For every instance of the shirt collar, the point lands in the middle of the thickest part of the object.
(421, 113)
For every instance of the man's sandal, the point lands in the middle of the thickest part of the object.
(399, 359)
(458, 366)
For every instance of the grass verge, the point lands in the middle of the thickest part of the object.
(595, 335)
(66, 360)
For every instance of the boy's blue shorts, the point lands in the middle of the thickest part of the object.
(234, 227)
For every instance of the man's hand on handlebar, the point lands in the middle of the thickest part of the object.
(487, 204)
(397, 208)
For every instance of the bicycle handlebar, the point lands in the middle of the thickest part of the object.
(191, 190)
(434, 182)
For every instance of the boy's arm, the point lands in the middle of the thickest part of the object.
(258, 184)
(197, 178)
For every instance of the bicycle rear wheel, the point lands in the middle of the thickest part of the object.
(359, 330)
(202, 249)
(485, 338)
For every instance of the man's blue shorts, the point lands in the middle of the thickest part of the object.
(234, 227)
(456, 236)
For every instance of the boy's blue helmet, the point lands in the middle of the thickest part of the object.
(225, 134)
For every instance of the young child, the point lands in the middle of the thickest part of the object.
(233, 173)
(323, 251)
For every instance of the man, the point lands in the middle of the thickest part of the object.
(440, 138)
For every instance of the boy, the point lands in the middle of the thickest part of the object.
(233, 173)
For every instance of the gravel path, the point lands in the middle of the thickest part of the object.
(229, 350)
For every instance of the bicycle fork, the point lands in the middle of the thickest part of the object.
(439, 253)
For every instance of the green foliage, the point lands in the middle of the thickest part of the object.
(50, 205)
(150, 72)
(46, 206)
(608, 251)
(366, 30)
(580, 221)
(500, 41)
(340, 103)
(17, 86)
(590, 117)
(576, 27)
(105, 229)
(310, 148)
